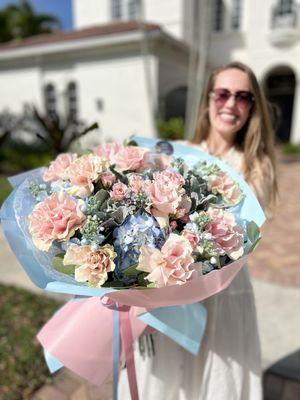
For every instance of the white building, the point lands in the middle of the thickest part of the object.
(123, 74)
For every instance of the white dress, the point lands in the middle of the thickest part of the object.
(228, 366)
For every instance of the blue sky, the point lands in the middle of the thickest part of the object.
(60, 8)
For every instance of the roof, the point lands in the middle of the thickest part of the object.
(91, 32)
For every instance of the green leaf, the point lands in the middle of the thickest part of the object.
(254, 245)
(58, 265)
(113, 284)
(142, 280)
(151, 285)
(253, 232)
(131, 271)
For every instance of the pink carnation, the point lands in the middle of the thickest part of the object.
(55, 218)
(131, 158)
(119, 191)
(108, 150)
(170, 265)
(227, 235)
(91, 266)
(166, 192)
(83, 172)
(226, 187)
(170, 176)
(58, 168)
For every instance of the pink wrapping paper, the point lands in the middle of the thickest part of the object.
(192, 291)
(80, 334)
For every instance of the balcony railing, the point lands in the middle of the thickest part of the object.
(285, 26)
(281, 19)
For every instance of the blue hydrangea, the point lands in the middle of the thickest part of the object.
(137, 230)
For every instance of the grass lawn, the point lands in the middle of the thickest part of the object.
(5, 189)
(22, 366)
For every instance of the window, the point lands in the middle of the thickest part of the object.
(285, 7)
(133, 9)
(50, 100)
(116, 9)
(218, 15)
(236, 14)
(72, 106)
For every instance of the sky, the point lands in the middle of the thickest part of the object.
(60, 8)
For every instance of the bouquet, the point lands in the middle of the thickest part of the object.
(147, 224)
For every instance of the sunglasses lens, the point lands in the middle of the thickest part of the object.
(243, 99)
(221, 96)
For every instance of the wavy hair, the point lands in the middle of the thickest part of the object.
(255, 139)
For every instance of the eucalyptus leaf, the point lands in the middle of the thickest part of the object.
(253, 231)
(120, 214)
(102, 195)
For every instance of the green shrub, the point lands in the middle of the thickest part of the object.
(5, 189)
(173, 129)
(14, 159)
(289, 148)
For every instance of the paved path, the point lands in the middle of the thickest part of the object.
(276, 259)
(276, 279)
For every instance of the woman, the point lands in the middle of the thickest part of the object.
(233, 125)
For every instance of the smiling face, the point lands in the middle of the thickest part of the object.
(227, 117)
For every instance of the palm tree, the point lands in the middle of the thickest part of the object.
(20, 21)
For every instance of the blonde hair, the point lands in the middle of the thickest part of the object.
(255, 139)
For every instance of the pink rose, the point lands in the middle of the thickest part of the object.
(136, 183)
(83, 172)
(107, 179)
(165, 192)
(58, 168)
(131, 158)
(91, 266)
(170, 265)
(192, 237)
(55, 218)
(227, 235)
(108, 150)
(225, 186)
(119, 191)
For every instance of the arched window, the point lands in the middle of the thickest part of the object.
(72, 102)
(50, 100)
(218, 15)
(116, 9)
(236, 14)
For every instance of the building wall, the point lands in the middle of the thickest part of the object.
(19, 86)
(119, 86)
(167, 13)
(90, 12)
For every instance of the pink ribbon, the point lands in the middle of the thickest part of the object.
(127, 341)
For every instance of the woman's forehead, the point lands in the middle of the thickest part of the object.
(232, 79)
